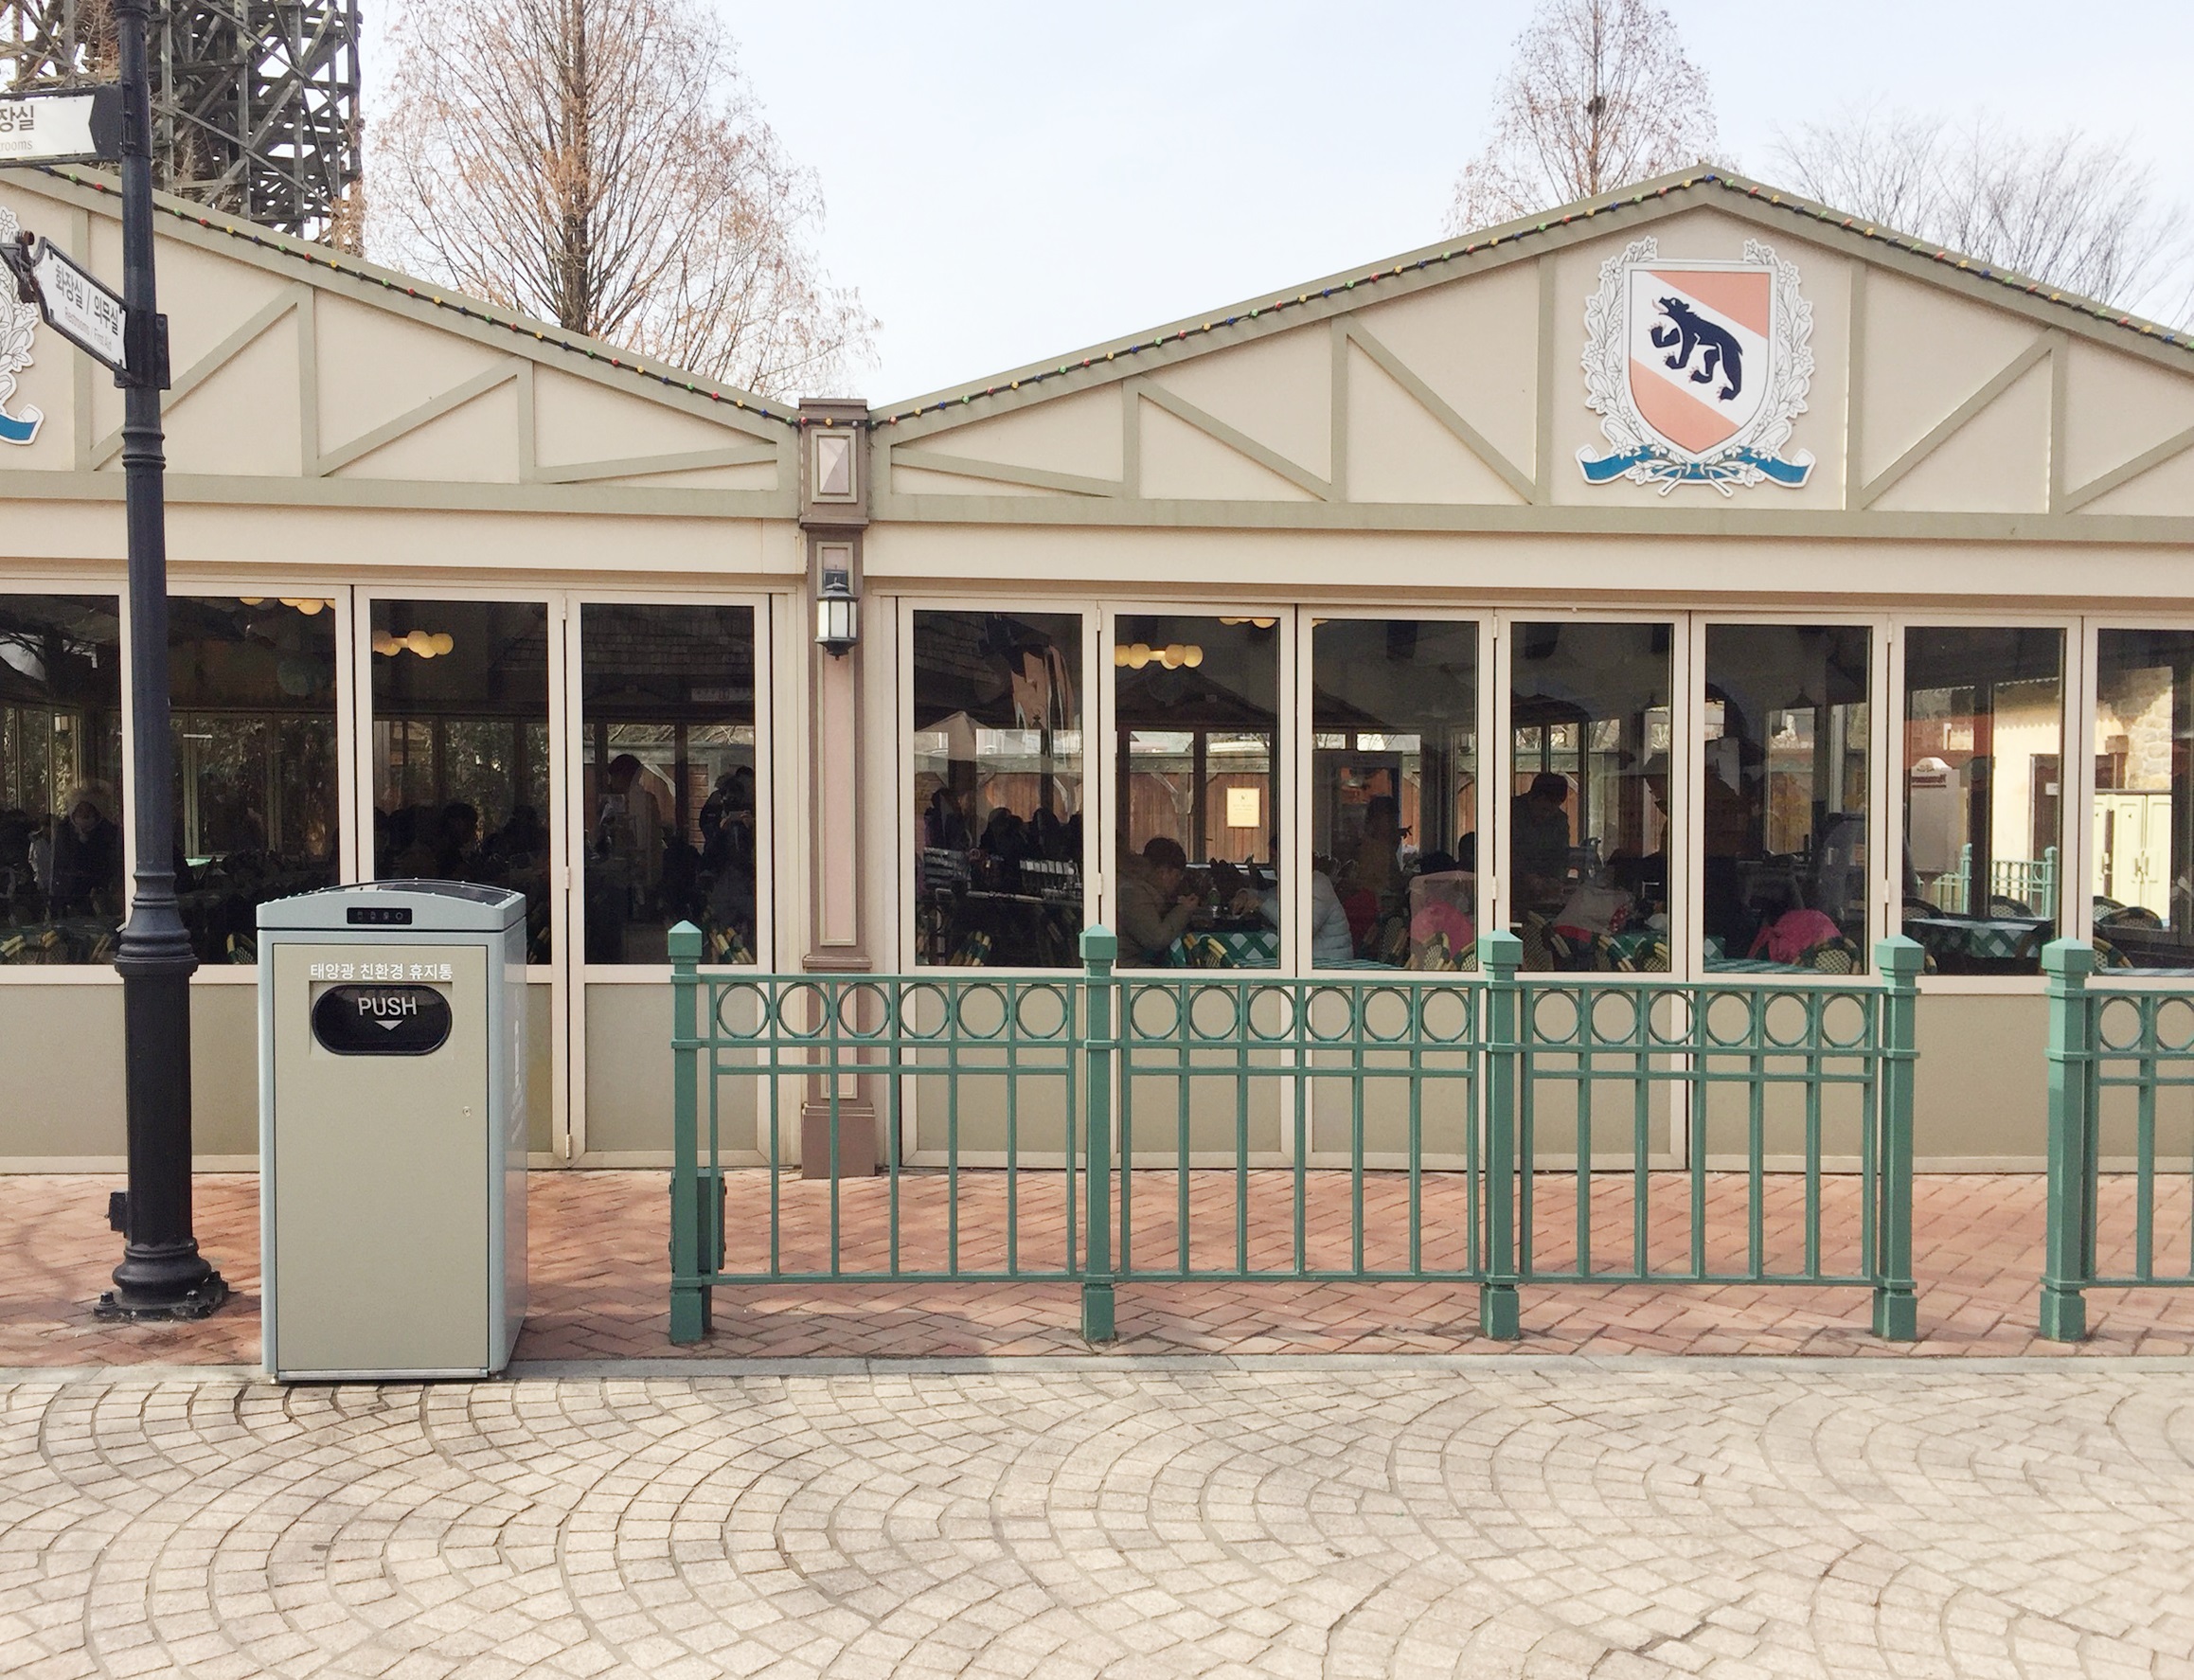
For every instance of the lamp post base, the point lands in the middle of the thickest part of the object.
(138, 1306)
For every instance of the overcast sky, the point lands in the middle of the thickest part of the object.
(1006, 182)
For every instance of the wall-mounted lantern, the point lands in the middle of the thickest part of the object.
(837, 610)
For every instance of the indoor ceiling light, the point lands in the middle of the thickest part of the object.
(427, 644)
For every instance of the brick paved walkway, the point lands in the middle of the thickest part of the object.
(599, 1290)
(1555, 1519)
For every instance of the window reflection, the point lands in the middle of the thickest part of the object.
(668, 780)
(61, 770)
(2144, 799)
(1785, 766)
(460, 747)
(1983, 796)
(1197, 708)
(253, 682)
(1588, 838)
(998, 789)
(1394, 793)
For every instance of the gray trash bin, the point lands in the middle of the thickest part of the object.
(392, 1130)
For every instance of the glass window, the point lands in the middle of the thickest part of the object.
(1394, 793)
(1196, 703)
(668, 780)
(1984, 739)
(997, 812)
(253, 686)
(1588, 827)
(1785, 761)
(460, 747)
(60, 776)
(2144, 798)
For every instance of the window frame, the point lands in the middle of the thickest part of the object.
(2076, 688)
(1094, 911)
(1289, 706)
(114, 583)
(570, 724)
(1683, 755)
(198, 587)
(2090, 626)
(1882, 784)
(1295, 871)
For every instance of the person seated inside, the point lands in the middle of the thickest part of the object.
(1155, 903)
(85, 872)
(1332, 941)
(1539, 843)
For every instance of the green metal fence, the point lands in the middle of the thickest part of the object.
(2121, 1117)
(1464, 1129)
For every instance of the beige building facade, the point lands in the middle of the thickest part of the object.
(1694, 583)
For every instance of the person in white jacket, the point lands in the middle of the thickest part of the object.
(1332, 940)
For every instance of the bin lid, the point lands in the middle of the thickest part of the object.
(397, 906)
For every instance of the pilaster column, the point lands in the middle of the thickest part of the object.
(833, 515)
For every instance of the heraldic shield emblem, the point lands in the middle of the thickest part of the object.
(18, 327)
(1697, 370)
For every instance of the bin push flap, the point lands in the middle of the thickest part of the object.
(381, 1020)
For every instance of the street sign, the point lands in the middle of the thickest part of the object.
(80, 309)
(74, 125)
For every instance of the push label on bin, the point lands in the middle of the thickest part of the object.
(381, 1020)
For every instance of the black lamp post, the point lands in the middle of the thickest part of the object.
(162, 1274)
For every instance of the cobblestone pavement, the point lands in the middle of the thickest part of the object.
(600, 1288)
(1561, 1517)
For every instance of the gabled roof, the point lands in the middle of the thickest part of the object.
(2099, 319)
(324, 258)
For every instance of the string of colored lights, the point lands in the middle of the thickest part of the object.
(316, 257)
(1751, 190)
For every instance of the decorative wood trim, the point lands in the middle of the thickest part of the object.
(691, 461)
(528, 433)
(1431, 401)
(412, 419)
(2147, 460)
(1854, 376)
(2019, 366)
(2059, 373)
(1749, 524)
(307, 382)
(1543, 439)
(1001, 472)
(211, 363)
(213, 489)
(1240, 441)
(1337, 410)
(1131, 441)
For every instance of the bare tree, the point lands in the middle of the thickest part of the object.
(1599, 94)
(603, 164)
(2067, 209)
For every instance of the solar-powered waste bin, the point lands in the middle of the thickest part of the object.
(392, 1131)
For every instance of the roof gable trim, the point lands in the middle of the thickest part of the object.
(1511, 234)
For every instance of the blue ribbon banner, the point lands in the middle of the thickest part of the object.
(1664, 469)
(20, 431)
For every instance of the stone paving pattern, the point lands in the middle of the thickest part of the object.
(1559, 1518)
(599, 1289)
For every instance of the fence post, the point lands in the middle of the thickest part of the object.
(2068, 1254)
(1500, 1309)
(1898, 959)
(1098, 948)
(690, 1298)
